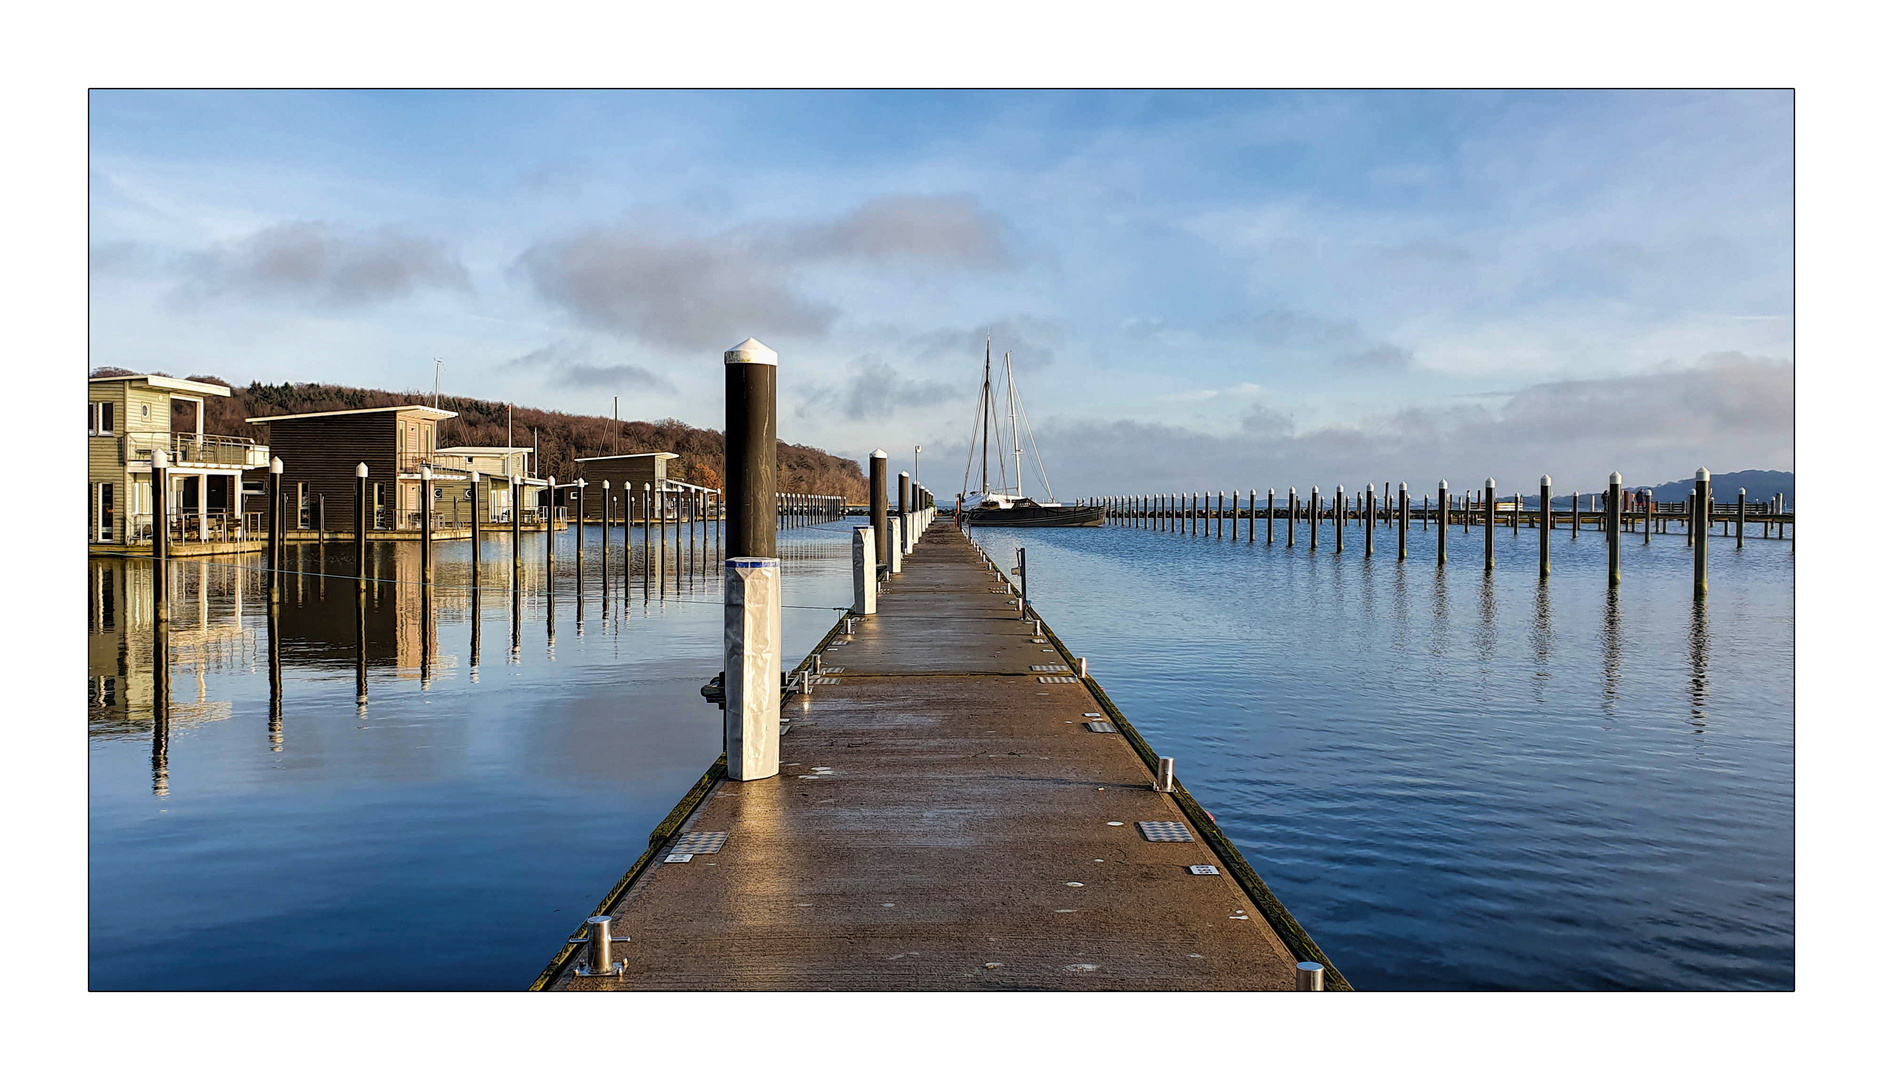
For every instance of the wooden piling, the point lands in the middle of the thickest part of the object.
(1340, 514)
(1271, 519)
(1370, 507)
(1742, 519)
(1405, 515)
(360, 512)
(425, 524)
(879, 506)
(1543, 535)
(1490, 512)
(516, 533)
(1293, 502)
(1611, 524)
(1702, 492)
(1314, 518)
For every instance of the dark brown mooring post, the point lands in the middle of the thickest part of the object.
(160, 547)
(1405, 518)
(879, 506)
(359, 521)
(425, 524)
(1490, 523)
(1444, 518)
(1314, 517)
(1340, 519)
(549, 538)
(753, 619)
(516, 533)
(581, 520)
(1543, 536)
(1702, 498)
(477, 546)
(1612, 514)
(1271, 517)
(1293, 502)
(275, 526)
(1371, 516)
(1742, 519)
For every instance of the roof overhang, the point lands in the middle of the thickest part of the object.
(426, 410)
(629, 457)
(165, 382)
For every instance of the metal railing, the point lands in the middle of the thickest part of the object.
(189, 448)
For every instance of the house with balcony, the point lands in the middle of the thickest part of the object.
(319, 452)
(128, 418)
(509, 480)
(624, 472)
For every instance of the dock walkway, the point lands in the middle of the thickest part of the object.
(945, 819)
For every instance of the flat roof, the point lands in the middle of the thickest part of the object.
(165, 382)
(486, 450)
(624, 457)
(442, 414)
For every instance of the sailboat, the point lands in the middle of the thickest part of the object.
(1008, 505)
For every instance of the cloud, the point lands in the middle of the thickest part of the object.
(1380, 358)
(874, 390)
(683, 293)
(950, 230)
(698, 293)
(569, 365)
(1730, 411)
(323, 264)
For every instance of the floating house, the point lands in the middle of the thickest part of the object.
(128, 417)
(508, 479)
(623, 471)
(320, 451)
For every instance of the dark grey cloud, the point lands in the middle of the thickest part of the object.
(1730, 411)
(682, 293)
(944, 230)
(698, 293)
(573, 365)
(874, 389)
(323, 264)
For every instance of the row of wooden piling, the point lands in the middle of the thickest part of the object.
(1191, 513)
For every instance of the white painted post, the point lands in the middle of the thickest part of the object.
(895, 543)
(863, 568)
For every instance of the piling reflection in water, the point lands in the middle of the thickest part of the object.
(1611, 652)
(1699, 650)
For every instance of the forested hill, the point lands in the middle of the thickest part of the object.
(559, 437)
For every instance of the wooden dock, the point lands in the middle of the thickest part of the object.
(947, 819)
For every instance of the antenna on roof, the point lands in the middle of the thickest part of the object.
(439, 367)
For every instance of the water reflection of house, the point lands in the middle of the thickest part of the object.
(127, 418)
(320, 623)
(205, 636)
(320, 451)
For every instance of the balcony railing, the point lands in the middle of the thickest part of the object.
(189, 448)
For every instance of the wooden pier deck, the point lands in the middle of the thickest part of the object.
(945, 820)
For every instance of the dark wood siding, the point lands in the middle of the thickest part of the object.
(323, 451)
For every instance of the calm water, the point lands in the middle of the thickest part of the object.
(1459, 782)
(1451, 783)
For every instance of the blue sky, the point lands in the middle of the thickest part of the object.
(1200, 289)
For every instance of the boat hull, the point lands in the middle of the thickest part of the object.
(1036, 517)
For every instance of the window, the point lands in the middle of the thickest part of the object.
(147, 412)
(303, 507)
(101, 418)
(107, 512)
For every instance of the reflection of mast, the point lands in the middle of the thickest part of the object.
(274, 676)
(160, 706)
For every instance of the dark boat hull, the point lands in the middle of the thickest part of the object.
(1035, 517)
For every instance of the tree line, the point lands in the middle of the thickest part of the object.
(559, 437)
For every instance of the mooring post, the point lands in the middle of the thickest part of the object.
(1575, 515)
(1543, 537)
(359, 521)
(1425, 513)
(1444, 518)
(1340, 516)
(879, 504)
(1702, 495)
(1742, 519)
(425, 524)
(1490, 512)
(1023, 582)
(1235, 514)
(1405, 518)
(1371, 516)
(863, 569)
(754, 620)
(516, 533)
(160, 546)
(1308, 975)
(1271, 515)
(275, 524)
(581, 518)
(1612, 521)
(1293, 501)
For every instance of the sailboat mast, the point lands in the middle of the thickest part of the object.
(987, 406)
(1019, 479)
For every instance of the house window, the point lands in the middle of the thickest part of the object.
(107, 512)
(302, 505)
(147, 412)
(101, 418)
